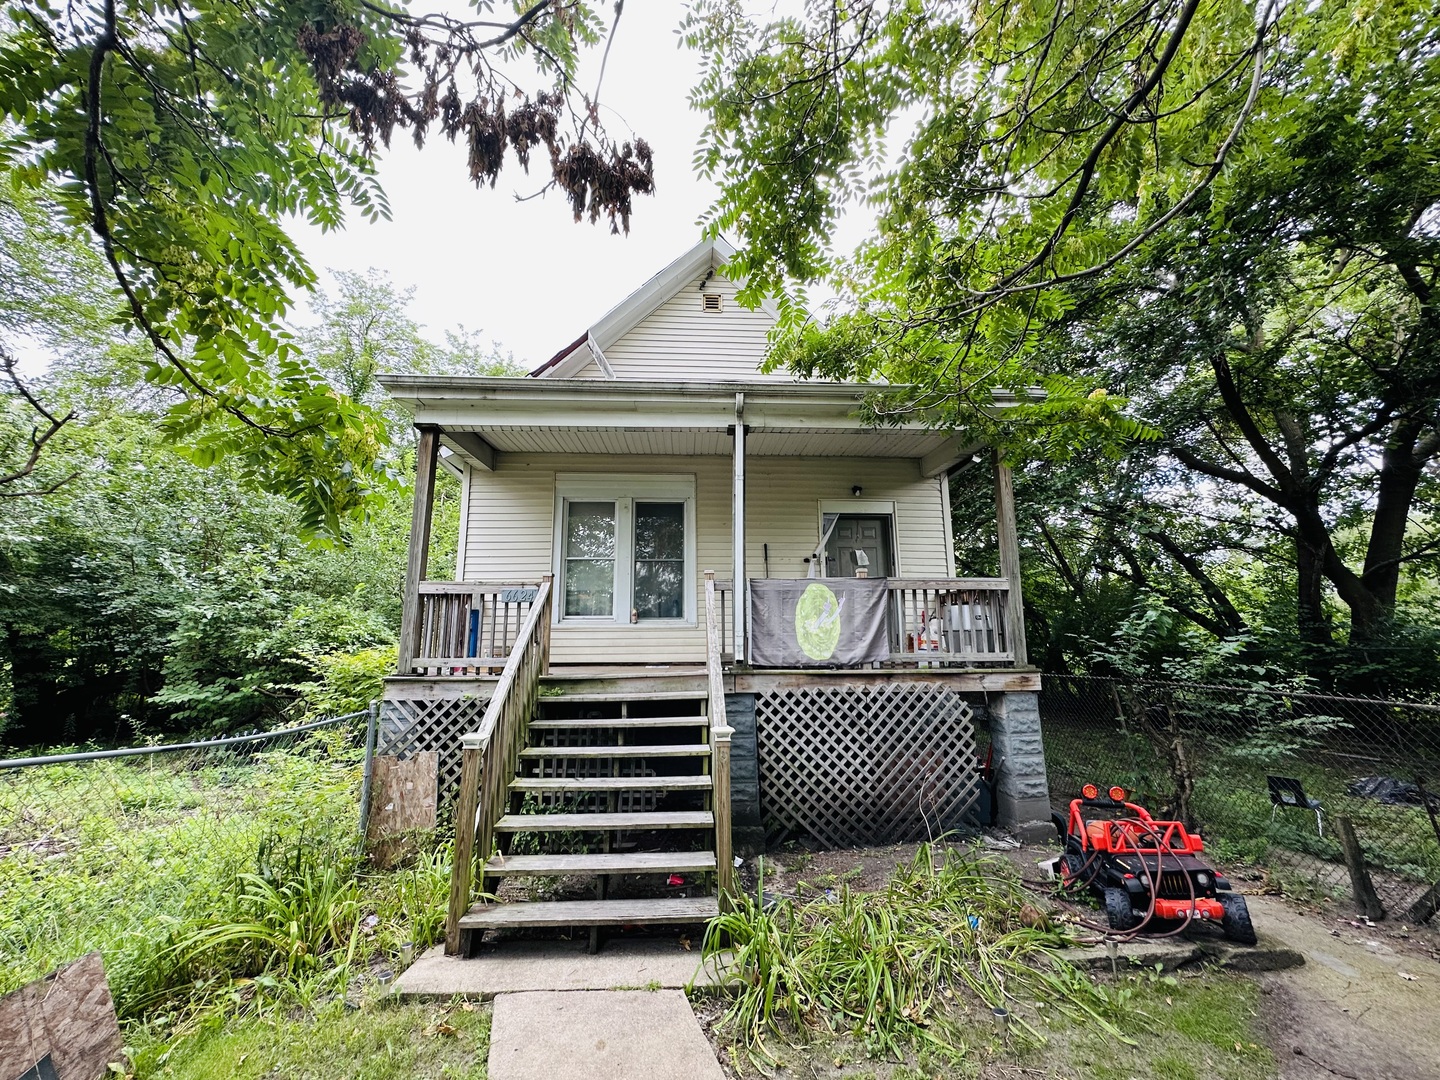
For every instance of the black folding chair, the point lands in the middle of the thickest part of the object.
(1286, 792)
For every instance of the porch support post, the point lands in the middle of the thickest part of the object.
(1009, 545)
(426, 452)
(1022, 788)
(949, 523)
(742, 586)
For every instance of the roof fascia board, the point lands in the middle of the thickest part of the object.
(623, 318)
(944, 458)
(573, 363)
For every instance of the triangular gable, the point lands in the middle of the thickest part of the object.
(668, 330)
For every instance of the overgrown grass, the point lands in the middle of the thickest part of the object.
(379, 1041)
(1190, 1028)
(895, 969)
(233, 880)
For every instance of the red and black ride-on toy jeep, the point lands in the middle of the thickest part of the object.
(1146, 872)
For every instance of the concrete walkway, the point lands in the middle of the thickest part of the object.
(584, 1035)
(517, 966)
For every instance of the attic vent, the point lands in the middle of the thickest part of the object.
(710, 302)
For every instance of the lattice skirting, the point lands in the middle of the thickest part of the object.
(410, 726)
(850, 765)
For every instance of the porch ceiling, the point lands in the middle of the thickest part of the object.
(598, 416)
(700, 441)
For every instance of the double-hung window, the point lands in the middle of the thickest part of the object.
(625, 548)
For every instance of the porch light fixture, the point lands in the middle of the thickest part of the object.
(856, 490)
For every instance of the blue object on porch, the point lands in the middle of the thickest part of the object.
(472, 647)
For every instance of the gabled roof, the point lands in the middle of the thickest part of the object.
(625, 316)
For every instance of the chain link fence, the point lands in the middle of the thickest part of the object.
(119, 849)
(1236, 761)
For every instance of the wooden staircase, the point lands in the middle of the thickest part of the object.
(617, 788)
(629, 788)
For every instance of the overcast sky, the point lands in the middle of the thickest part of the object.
(526, 274)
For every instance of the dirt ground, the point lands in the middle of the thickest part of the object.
(1365, 1005)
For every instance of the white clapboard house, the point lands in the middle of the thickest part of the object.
(695, 605)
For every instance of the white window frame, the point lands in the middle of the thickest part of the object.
(624, 490)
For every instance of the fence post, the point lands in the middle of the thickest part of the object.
(1360, 884)
(372, 726)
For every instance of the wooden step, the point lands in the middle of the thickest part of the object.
(679, 910)
(591, 722)
(612, 783)
(639, 862)
(636, 820)
(678, 750)
(640, 695)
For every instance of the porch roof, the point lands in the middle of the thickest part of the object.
(482, 415)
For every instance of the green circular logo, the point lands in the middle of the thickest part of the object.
(817, 622)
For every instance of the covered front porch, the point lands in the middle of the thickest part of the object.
(762, 481)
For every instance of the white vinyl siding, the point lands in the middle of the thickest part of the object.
(782, 509)
(510, 531)
(679, 340)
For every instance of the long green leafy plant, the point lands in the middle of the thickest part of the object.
(898, 968)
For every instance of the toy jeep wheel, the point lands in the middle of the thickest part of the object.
(1236, 923)
(1073, 871)
(1118, 911)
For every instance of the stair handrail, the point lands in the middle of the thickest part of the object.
(720, 732)
(489, 755)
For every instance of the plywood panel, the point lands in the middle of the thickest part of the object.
(67, 1016)
(403, 801)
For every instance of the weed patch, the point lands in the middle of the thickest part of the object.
(952, 931)
(380, 1041)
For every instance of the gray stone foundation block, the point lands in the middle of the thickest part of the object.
(1022, 791)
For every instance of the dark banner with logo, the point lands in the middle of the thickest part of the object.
(818, 622)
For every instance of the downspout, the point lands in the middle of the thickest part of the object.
(742, 586)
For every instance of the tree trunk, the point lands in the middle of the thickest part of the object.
(1312, 624)
(1400, 472)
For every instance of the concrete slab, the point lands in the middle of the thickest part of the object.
(1268, 954)
(517, 966)
(624, 1035)
(1168, 953)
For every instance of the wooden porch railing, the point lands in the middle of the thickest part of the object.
(725, 606)
(956, 621)
(490, 754)
(720, 732)
(465, 627)
(950, 620)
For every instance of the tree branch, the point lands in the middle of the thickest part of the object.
(38, 439)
